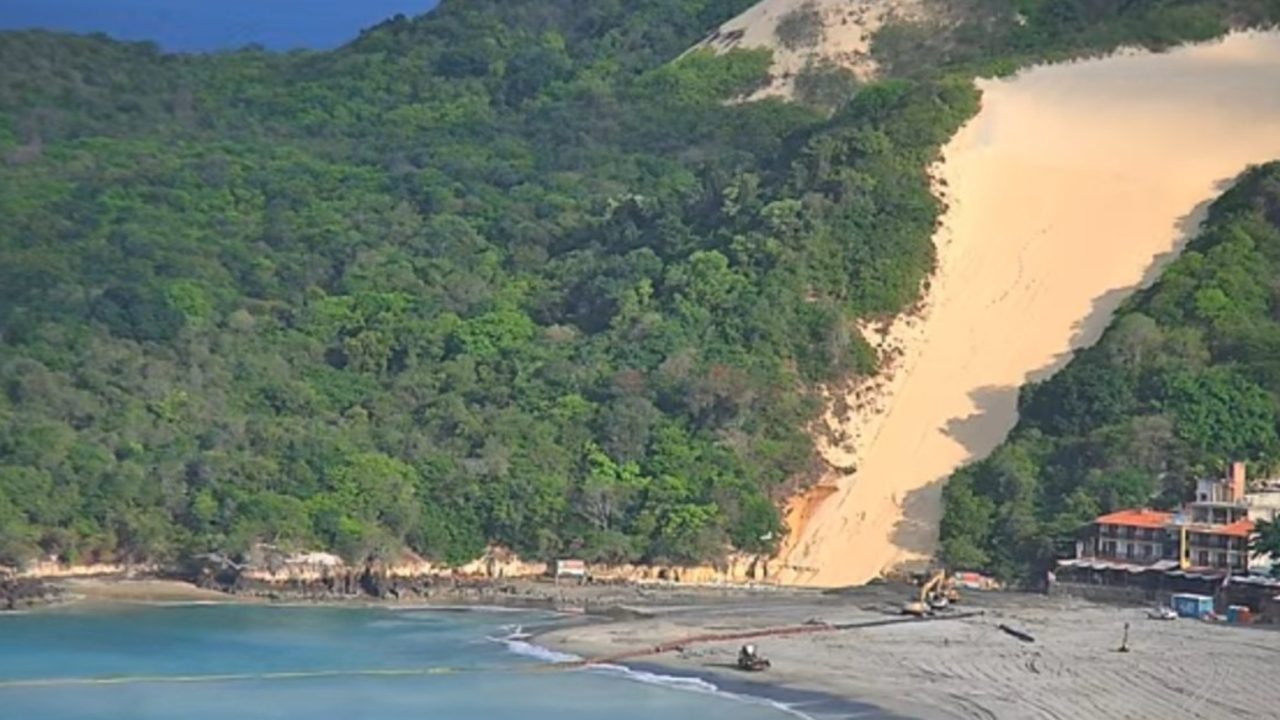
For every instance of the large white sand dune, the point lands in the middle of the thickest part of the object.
(1070, 189)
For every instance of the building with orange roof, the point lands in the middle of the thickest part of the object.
(1132, 536)
(1141, 554)
(1209, 534)
(1213, 530)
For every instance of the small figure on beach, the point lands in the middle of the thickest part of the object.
(749, 659)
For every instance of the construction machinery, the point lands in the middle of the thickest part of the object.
(936, 593)
(750, 660)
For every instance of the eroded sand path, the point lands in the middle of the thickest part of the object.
(1071, 188)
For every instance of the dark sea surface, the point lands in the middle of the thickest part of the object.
(207, 25)
(251, 663)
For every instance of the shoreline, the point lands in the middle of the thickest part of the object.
(101, 592)
(804, 703)
(606, 601)
(768, 687)
(111, 594)
(865, 660)
(964, 667)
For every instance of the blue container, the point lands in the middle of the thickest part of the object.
(1192, 606)
(1239, 614)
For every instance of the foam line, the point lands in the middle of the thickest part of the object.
(676, 682)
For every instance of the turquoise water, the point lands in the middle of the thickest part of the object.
(163, 663)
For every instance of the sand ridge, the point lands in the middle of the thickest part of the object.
(848, 26)
(1071, 188)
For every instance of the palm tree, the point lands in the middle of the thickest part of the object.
(1266, 541)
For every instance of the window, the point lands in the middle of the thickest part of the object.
(1129, 551)
(1146, 552)
(1222, 560)
(1202, 558)
(1109, 548)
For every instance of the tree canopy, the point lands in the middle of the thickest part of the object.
(1184, 381)
(522, 272)
(511, 272)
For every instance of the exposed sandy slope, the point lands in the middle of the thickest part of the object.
(846, 38)
(969, 669)
(1071, 188)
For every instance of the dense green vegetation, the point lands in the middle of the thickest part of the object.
(1186, 379)
(1266, 541)
(1001, 35)
(504, 273)
(801, 28)
(516, 273)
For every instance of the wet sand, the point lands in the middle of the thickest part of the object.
(114, 590)
(1074, 186)
(968, 668)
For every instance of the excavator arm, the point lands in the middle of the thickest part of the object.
(929, 586)
(921, 605)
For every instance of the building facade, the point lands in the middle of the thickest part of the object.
(1214, 529)
(1131, 536)
(1208, 534)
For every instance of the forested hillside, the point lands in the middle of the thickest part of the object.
(1186, 379)
(510, 272)
(504, 273)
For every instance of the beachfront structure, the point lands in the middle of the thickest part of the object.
(1208, 534)
(1201, 548)
(1134, 536)
(1215, 547)
(1214, 529)
(570, 568)
(1221, 501)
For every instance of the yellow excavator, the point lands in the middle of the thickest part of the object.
(936, 593)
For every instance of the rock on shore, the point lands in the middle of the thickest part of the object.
(17, 593)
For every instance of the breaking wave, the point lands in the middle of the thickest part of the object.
(517, 644)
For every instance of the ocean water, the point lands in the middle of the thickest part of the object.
(207, 25)
(252, 663)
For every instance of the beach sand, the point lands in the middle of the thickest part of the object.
(968, 668)
(116, 590)
(1074, 186)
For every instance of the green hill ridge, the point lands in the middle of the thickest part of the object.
(509, 273)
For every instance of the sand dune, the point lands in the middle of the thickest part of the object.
(847, 27)
(1070, 189)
